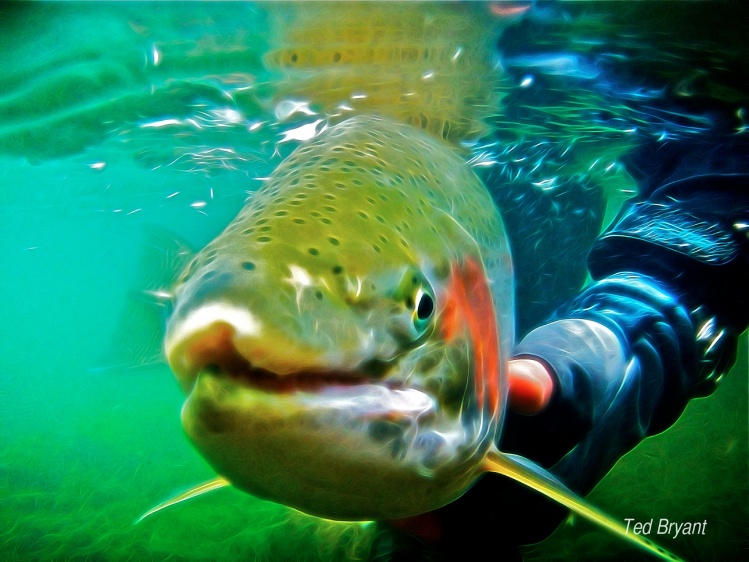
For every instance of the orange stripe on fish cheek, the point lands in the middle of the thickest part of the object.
(469, 305)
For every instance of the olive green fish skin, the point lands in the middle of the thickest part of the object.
(319, 279)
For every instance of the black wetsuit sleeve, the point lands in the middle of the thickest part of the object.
(657, 327)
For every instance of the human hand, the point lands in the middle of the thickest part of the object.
(530, 386)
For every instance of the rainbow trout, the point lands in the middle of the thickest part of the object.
(343, 344)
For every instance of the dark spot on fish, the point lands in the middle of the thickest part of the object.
(337, 269)
(381, 431)
(248, 231)
(398, 449)
(376, 248)
(314, 251)
(318, 295)
(281, 213)
(383, 239)
(325, 220)
(380, 218)
(330, 209)
(299, 221)
(208, 275)
(266, 228)
(264, 239)
(248, 265)
(334, 241)
(409, 303)
(294, 57)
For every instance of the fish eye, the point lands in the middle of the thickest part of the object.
(423, 308)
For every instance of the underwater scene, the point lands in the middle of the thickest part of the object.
(287, 251)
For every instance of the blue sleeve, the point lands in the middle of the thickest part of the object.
(657, 327)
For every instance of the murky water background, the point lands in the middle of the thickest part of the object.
(89, 163)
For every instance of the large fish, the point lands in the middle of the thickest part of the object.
(343, 344)
(345, 333)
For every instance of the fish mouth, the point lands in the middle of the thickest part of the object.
(241, 372)
(272, 370)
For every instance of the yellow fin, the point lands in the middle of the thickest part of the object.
(198, 490)
(538, 479)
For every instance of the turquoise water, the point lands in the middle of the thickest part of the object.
(88, 445)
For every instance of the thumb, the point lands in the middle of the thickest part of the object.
(530, 386)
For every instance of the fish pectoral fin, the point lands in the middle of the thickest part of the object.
(138, 335)
(524, 471)
(193, 492)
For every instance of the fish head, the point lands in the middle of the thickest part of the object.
(338, 342)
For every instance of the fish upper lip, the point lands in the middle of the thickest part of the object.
(227, 362)
(226, 347)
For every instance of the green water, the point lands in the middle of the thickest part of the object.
(85, 451)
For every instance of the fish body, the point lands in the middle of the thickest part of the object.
(343, 334)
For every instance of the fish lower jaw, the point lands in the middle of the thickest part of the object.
(285, 398)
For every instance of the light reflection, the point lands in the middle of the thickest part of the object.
(303, 133)
(155, 55)
(287, 108)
